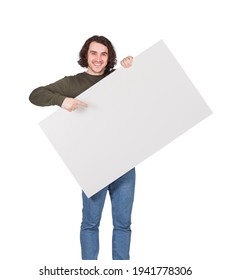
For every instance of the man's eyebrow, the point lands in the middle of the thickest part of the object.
(92, 51)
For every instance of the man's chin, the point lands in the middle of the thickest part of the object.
(98, 70)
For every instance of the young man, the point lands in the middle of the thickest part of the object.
(99, 57)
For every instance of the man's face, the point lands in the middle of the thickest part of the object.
(97, 58)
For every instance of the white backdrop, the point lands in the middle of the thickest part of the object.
(186, 220)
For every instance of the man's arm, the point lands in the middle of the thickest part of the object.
(52, 94)
(57, 93)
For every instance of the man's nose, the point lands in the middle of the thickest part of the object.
(98, 57)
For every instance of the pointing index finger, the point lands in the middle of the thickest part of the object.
(81, 103)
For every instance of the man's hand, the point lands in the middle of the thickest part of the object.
(71, 104)
(127, 61)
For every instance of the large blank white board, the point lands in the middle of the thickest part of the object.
(132, 113)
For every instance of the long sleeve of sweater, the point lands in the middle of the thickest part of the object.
(52, 94)
(70, 86)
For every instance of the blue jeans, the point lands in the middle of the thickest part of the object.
(122, 195)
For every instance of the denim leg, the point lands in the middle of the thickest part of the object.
(122, 196)
(89, 233)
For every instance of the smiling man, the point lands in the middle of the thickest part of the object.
(99, 57)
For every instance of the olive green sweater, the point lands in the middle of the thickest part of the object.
(70, 86)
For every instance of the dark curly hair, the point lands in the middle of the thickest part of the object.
(102, 40)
